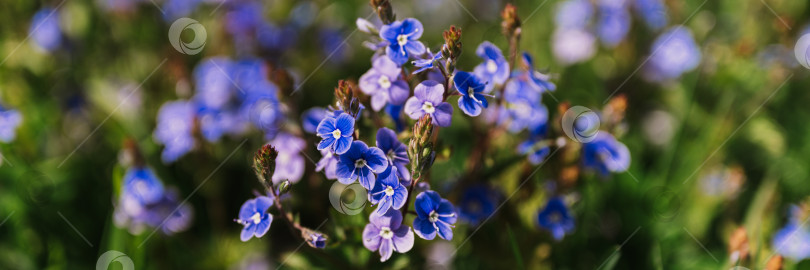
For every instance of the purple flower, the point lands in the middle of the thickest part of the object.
(403, 40)
(673, 53)
(143, 185)
(312, 117)
(395, 151)
(427, 63)
(654, 13)
(428, 99)
(254, 216)
(10, 120)
(477, 204)
(328, 164)
(572, 46)
(434, 214)
(472, 100)
(384, 84)
(361, 162)
(213, 85)
(174, 126)
(388, 192)
(605, 154)
(613, 23)
(336, 133)
(494, 70)
(387, 234)
(555, 218)
(45, 30)
(289, 163)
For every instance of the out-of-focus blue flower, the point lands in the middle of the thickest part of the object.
(495, 69)
(174, 9)
(654, 13)
(214, 89)
(539, 81)
(572, 46)
(45, 30)
(613, 23)
(215, 123)
(384, 83)
(10, 120)
(243, 18)
(403, 39)
(555, 218)
(434, 215)
(574, 14)
(536, 150)
(361, 162)
(388, 192)
(143, 185)
(121, 6)
(289, 163)
(168, 214)
(605, 154)
(395, 151)
(428, 99)
(792, 241)
(145, 202)
(673, 53)
(263, 111)
(523, 106)
(254, 216)
(328, 164)
(472, 100)
(427, 63)
(276, 38)
(174, 129)
(312, 117)
(387, 234)
(336, 133)
(477, 204)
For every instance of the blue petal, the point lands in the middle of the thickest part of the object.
(375, 158)
(443, 114)
(415, 47)
(469, 106)
(424, 228)
(342, 145)
(445, 231)
(385, 204)
(396, 55)
(247, 232)
(400, 194)
(263, 203)
(326, 126)
(345, 123)
(263, 226)
(412, 27)
(462, 81)
(326, 142)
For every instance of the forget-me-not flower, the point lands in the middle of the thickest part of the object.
(427, 63)
(673, 53)
(395, 151)
(336, 132)
(254, 216)
(361, 162)
(384, 83)
(556, 218)
(605, 154)
(403, 39)
(477, 204)
(387, 234)
(495, 69)
(45, 30)
(289, 162)
(434, 215)
(388, 192)
(472, 100)
(429, 99)
(327, 164)
(175, 122)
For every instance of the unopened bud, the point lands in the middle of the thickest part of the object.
(314, 238)
(511, 22)
(452, 45)
(284, 187)
(346, 98)
(420, 148)
(384, 10)
(264, 163)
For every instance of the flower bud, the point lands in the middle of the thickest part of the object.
(264, 163)
(284, 187)
(384, 10)
(346, 98)
(511, 22)
(314, 238)
(452, 45)
(420, 148)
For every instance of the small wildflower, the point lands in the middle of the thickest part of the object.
(477, 203)
(395, 151)
(605, 155)
(673, 53)
(555, 218)
(384, 84)
(388, 191)
(427, 63)
(327, 164)
(312, 117)
(387, 234)
(653, 12)
(175, 123)
(472, 100)
(434, 215)
(253, 215)
(45, 30)
(143, 185)
(290, 162)
(403, 40)
(336, 133)
(613, 23)
(360, 163)
(494, 70)
(428, 99)
(314, 238)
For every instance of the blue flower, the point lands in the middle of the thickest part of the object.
(45, 30)
(673, 53)
(336, 133)
(388, 192)
(395, 151)
(472, 100)
(403, 40)
(495, 69)
(523, 107)
(395, 112)
(314, 239)
(327, 164)
(613, 23)
(605, 154)
(433, 214)
(427, 63)
(175, 122)
(361, 162)
(254, 216)
(429, 99)
(555, 218)
(10, 120)
(654, 13)
(539, 81)
(312, 117)
(290, 164)
(384, 83)
(174, 9)
(477, 204)
(573, 14)
(793, 241)
(385, 233)
(214, 89)
(143, 185)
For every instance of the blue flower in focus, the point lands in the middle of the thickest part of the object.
(477, 204)
(361, 162)
(673, 53)
(175, 122)
(556, 218)
(495, 69)
(312, 117)
(387, 234)
(388, 192)
(336, 133)
(613, 23)
(254, 216)
(472, 100)
(289, 162)
(10, 120)
(143, 185)
(434, 215)
(327, 164)
(429, 99)
(384, 83)
(395, 151)
(45, 30)
(654, 13)
(403, 40)
(427, 63)
(605, 154)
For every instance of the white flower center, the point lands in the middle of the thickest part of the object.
(336, 134)
(428, 107)
(433, 217)
(256, 218)
(386, 233)
(384, 82)
(391, 155)
(492, 67)
(402, 40)
(389, 191)
(470, 91)
(360, 163)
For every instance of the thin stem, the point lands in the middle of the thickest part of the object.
(410, 192)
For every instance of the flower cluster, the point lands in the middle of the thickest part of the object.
(145, 202)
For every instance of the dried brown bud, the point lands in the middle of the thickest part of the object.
(384, 10)
(452, 43)
(511, 22)
(347, 98)
(264, 163)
